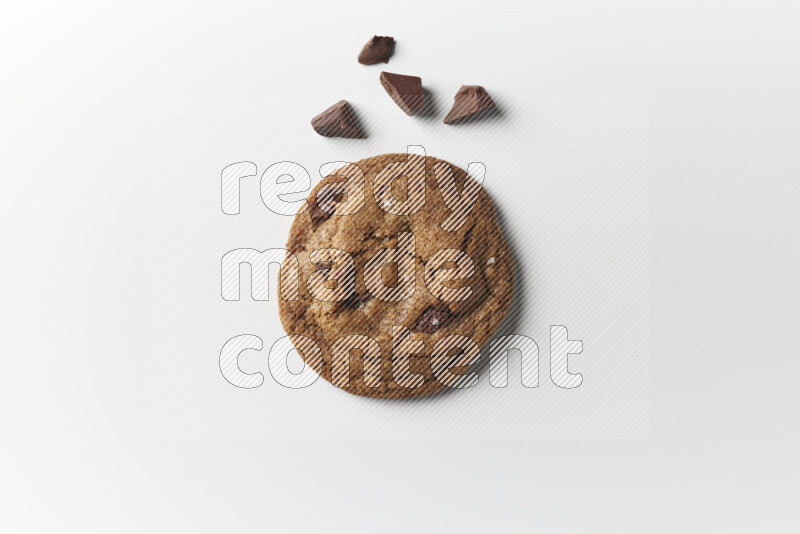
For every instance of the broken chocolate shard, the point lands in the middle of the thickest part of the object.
(431, 320)
(338, 121)
(468, 102)
(378, 49)
(406, 91)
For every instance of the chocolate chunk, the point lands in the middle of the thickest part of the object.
(358, 301)
(318, 215)
(323, 266)
(378, 49)
(337, 121)
(431, 320)
(330, 195)
(469, 100)
(406, 91)
(315, 210)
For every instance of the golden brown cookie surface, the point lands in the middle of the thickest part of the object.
(414, 316)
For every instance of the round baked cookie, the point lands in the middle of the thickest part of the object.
(336, 219)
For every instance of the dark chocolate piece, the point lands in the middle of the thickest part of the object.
(358, 301)
(328, 195)
(315, 210)
(406, 91)
(431, 320)
(377, 50)
(469, 100)
(337, 121)
(317, 214)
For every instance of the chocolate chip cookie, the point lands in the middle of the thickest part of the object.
(403, 272)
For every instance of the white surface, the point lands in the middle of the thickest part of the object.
(78, 454)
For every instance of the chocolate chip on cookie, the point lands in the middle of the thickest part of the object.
(358, 300)
(431, 320)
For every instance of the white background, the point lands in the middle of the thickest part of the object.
(77, 450)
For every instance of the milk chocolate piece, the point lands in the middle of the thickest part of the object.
(377, 50)
(406, 91)
(469, 101)
(337, 121)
